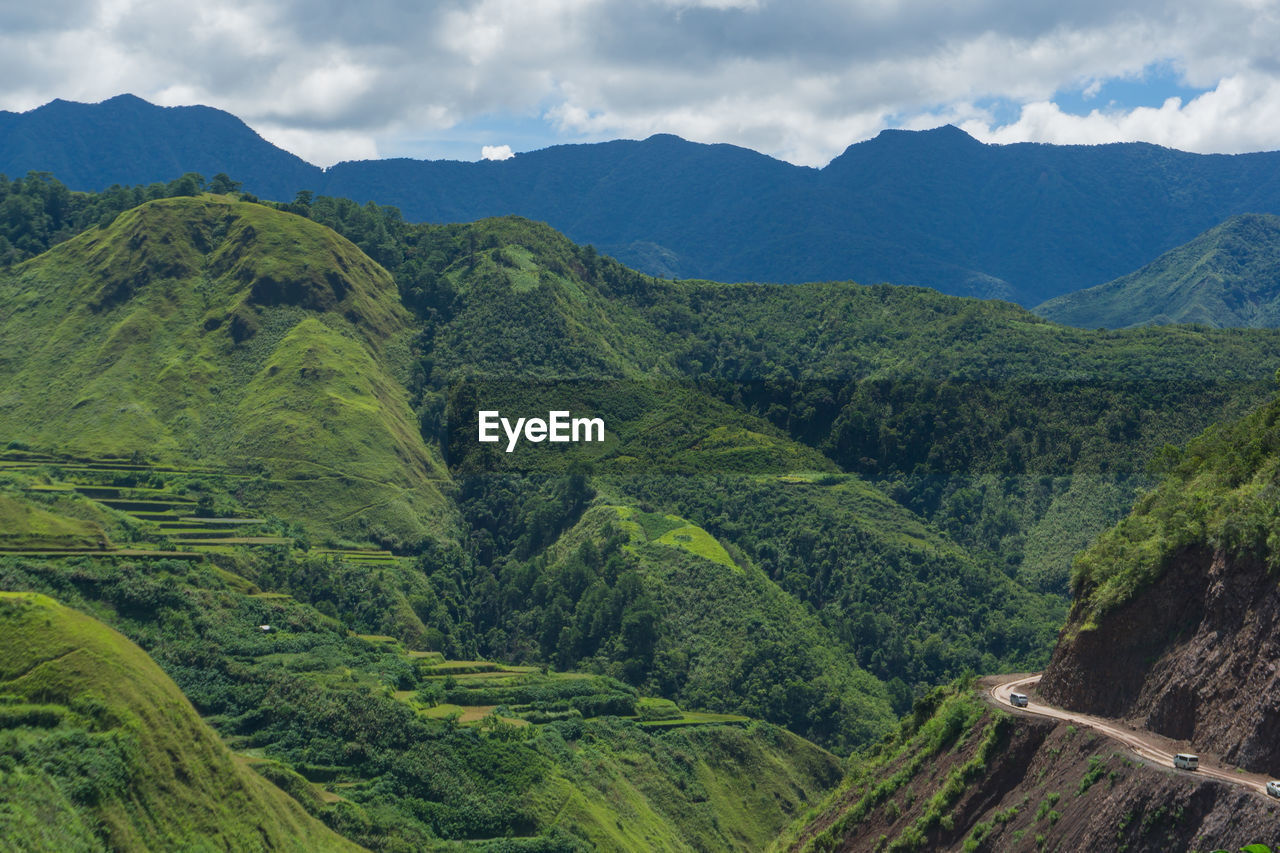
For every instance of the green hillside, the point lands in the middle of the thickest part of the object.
(24, 525)
(99, 750)
(811, 504)
(401, 749)
(1228, 276)
(215, 333)
(1218, 492)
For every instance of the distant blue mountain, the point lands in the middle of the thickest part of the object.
(1023, 222)
(126, 140)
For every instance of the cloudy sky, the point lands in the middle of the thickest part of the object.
(800, 79)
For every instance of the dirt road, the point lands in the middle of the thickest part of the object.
(1154, 748)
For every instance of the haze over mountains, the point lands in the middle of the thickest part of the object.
(1024, 222)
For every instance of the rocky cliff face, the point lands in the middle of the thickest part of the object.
(1195, 657)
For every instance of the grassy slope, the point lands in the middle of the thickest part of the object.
(706, 788)
(103, 751)
(189, 329)
(1224, 277)
(310, 694)
(25, 525)
(942, 723)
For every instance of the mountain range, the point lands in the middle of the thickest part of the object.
(242, 435)
(1023, 222)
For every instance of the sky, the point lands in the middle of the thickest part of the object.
(800, 80)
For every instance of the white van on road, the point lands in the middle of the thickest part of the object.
(1018, 700)
(1186, 761)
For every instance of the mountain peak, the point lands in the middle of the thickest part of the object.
(941, 132)
(128, 99)
(127, 140)
(666, 137)
(900, 138)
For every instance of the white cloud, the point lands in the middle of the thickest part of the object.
(321, 147)
(1241, 114)
(496, 152)
(800, 79)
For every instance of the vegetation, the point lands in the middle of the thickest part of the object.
(1218, 493)
(99, 750)
(38, 211)
(939, 722)
(1224, 277)
(813, 505)
(361, 732)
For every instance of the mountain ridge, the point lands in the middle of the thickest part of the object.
(1024, 222)
(1227, 276)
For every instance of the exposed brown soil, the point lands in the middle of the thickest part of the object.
(1030, 799)
(1194, 657)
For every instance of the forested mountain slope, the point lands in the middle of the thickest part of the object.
(923, 394)
(812, 503)
(126, 140)
(1228, 276)
(1024, 222)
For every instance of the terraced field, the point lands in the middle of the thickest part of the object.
(523, 695)
(163, 511)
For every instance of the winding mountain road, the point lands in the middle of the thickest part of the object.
(1153, 748)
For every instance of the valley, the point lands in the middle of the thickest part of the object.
(244, 437)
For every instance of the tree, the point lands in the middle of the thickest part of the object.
(222, 184)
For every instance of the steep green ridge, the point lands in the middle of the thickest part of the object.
(1227, 276)
(940, 727)
(220, 333)
(1220, 492)
(101, 751)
